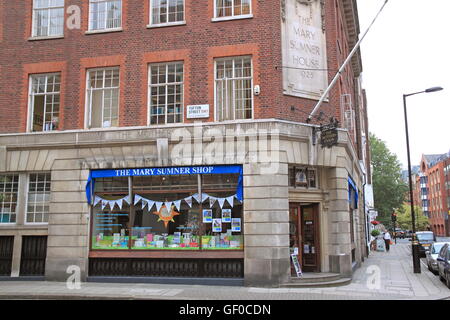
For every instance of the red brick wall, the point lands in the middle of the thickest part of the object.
(197, 43)
(438, 200)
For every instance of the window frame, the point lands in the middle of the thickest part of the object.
(17, 192)
(31, 99)
(48, 8)
(216, 113)
(106, 29)
(26, 199)
(307, 170)
(88, 112)
(165, 24)
(232, 17)
(166, 84)
(133, 190)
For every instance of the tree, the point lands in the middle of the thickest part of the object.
(388, 187)
(404, 218)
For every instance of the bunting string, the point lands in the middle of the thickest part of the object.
(188, 200)
(158, 204)
(111, 203)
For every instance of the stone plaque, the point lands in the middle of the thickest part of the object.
(304, 48)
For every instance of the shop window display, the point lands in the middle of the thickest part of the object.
(111, 212)
(165, 217)
(222, 213)
(167, 212)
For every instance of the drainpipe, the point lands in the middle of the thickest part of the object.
(365, 218)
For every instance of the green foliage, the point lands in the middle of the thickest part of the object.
(404, 218)
(388, 187)
(375, 232)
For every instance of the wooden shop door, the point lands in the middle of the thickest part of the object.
(310, 237)
(304, 235)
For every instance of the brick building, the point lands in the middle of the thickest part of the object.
(447, 192)
(432, 189)
(112, 114)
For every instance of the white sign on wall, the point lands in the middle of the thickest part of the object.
(304, 49)
(198, 111)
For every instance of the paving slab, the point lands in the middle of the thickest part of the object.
(382, 276)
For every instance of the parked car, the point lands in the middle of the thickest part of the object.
(443, 261)
(425, 239)
(399, 233)
(432, 256)
(408, 234)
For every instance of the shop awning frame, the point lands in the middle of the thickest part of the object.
(165, 171)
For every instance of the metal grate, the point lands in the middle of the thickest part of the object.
(34, 253)
(6, 254)
(200, 268)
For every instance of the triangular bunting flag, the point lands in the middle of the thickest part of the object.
(144, 204)
(120, 203)
(158, 205)
(221, 202)
(196, 196)
(97, 200)
(212, 200)
(137, 198)
(104, 203)
(168, 205)
(127, 199)
(189, 201)
(150, 204)
(205, 197)
(112, 203)
(230, 200)
(177, 204)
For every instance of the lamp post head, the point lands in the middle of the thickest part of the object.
(434, 89)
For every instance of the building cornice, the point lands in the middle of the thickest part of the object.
(352, 25)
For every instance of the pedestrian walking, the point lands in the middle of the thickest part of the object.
(387, 240)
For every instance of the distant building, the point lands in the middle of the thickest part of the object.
(447, 193)
(414, 171)
(432, 191)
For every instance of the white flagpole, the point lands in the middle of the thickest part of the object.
(344, 65)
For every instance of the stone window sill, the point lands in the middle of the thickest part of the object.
(103, 31)
(45, 38)
(163, 25)
(245, 16)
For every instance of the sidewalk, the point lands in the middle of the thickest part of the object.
(393, 270)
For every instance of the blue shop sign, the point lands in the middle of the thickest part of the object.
(111, 173)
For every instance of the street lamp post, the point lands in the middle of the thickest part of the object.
(415, 244)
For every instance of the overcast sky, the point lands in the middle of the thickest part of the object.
(408, 50)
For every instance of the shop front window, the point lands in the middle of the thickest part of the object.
(168, 212)
(111, 214)
(221, 214)
(165, 216)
